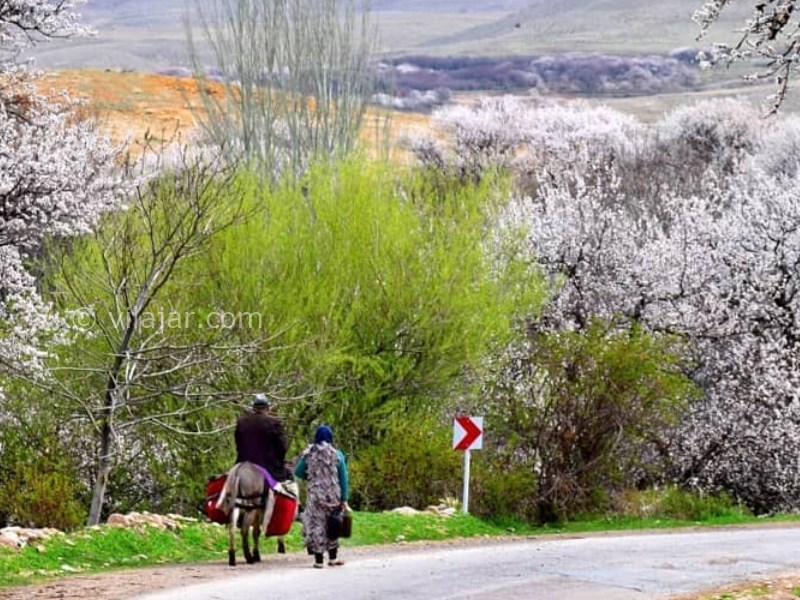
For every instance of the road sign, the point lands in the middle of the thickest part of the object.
(467, 436)
(467, 433)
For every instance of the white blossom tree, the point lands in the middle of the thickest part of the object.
(57, 174)
(772, 33)
(713, 258)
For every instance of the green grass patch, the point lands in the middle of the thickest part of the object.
(111, 548)
(106, 548)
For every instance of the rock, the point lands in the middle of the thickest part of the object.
(119, 520)
(405, 511)
(9, 540)
(19, 537)
(68, 569)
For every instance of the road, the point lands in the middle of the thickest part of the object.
(623, 567)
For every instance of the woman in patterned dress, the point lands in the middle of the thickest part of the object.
(325, 470)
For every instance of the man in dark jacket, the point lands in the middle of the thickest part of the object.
(260, 438)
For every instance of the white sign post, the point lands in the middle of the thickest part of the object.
(467, 436)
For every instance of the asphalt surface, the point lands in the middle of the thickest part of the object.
(597, 567)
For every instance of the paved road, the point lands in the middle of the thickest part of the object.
(599, 568)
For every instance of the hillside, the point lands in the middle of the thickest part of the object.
(613, 26)
(149, 34)
(130, 104)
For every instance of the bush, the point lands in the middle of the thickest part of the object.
(585, 408)
(38, 485)
(42, 498)
(412, 465)
(672, 502)
(501, 490)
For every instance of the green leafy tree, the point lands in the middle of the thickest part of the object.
(386, 289)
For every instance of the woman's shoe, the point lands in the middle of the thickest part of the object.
(335, 563)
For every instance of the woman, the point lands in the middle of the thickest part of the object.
(325, 470)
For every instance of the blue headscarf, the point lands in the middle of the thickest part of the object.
(323, 434)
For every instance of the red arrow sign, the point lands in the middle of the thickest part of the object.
(468, 433)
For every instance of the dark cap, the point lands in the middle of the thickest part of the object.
(260, 401)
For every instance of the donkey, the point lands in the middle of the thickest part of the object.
(244, 499)
(244, 492)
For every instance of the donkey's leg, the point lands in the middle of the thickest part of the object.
(232, 537)
(247, 524)
(259, 516)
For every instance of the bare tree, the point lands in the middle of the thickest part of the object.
(295, 73)
(143, 362)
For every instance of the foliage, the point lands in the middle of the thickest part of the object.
(501, 487)
(381, 286)
(672, 502)
(296, 78)
(58, 177)
(564, 73)
(680, 228)
(584, 409)
(144, 360)
(411, 465)
(360, 298)
(39, 486)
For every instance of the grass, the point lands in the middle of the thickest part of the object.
(108, 548)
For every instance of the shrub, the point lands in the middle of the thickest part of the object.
(584, 409)
(413, 464)
(672, 502)
(38, 485)
(499, 489)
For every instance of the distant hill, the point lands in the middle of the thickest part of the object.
(149, 34)
(612, 26)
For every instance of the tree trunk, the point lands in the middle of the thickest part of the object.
(101, 479)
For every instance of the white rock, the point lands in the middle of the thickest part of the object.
(405, 511)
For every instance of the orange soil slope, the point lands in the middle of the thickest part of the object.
(129, 104)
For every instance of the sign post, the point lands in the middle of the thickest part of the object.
(467, 436)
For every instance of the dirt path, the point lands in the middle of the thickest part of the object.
(785, 587)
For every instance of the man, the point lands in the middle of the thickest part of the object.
(260, 438)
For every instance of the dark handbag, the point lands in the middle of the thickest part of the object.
(339, 524)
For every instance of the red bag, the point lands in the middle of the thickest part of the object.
(214, 488)
(282, 515)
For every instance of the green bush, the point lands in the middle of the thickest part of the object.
(412, 465)
(585, 407)
(38, 484)
(502, 491)
(42, 498)
(672, 502)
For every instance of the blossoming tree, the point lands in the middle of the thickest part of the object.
(57, 174)
(771, 34)
(688, 228)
